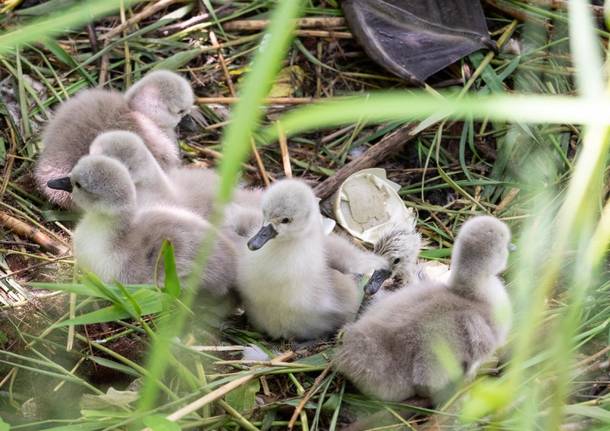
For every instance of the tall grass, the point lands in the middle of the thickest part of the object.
(557, 274)
(236, 143)
(57, 23)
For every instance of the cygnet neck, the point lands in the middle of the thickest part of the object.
(465, 280)
(158, 180)
(121, 219)
(157, 138)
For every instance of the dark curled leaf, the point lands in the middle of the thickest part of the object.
(417, 38)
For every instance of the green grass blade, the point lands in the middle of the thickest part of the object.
(149, 302)
(585, 50)
(256, 86)
(172, 281)
(378, 107)
(59, 22)
(236, 142)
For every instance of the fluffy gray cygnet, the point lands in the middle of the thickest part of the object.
(151, 109)
(347, 258)
(164, 97)
(399, 247)
(392, 351)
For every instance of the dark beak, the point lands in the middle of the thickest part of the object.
(187, 124)
(63, 183)
(265, 234)
(376, 280)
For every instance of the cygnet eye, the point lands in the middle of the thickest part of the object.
(396, 261)
(285, 220)
(182, 112)
(77, 185)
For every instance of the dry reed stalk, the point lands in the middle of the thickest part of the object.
(220, 392)
(268, 101)
(260, 24)
(285, 154)
(223, 64)
(144, 13)
(25, 230)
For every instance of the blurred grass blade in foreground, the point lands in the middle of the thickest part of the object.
(60, 22)
(236, 145)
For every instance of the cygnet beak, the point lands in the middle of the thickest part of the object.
(63, 183)
(261, 238)
(376, 281)
(187, 124)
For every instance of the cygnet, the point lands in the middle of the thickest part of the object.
(79, 120)
(152, 184)
(164, 97)
(119, 241)
(288, 288)
(200, 185)
(346, 257)
(192, 188)
(392, 351)
(399, 246)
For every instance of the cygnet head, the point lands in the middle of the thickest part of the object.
(399, 245)
(290, 209)
(481, 247)
(129, 149)
(98, 184)
(163, 96)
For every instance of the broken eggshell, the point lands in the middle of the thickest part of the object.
(367, 202)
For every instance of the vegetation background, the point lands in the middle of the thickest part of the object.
(521, 134)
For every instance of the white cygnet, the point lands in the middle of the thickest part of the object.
(119, 241)
(392, 351)
(288, 288)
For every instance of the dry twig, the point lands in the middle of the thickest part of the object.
(268, 101)
(24, 230)
(314, 388)
(284, 150)
(144, 13)
(220, 392)
(260, 24)
(223, 64)
(324, 34)
(516, 13)
(390, 144)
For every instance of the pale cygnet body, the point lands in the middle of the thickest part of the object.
(79, 120)
(200, 185)
(288, 288)
(391, 352)
(191, 188)
(118, 241)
